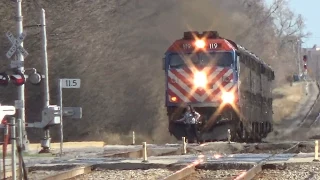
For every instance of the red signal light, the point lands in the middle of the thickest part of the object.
(18, 79)
(4, 79)
(305, 58)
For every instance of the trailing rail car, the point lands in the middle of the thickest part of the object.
(228, 85)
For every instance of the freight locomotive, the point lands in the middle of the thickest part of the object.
(228, 85)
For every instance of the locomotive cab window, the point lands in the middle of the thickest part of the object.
(181, 60)
(222, 59)
(176, 61)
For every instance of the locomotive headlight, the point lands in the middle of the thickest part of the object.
(200, 43)
(228, 97)
(200, 79)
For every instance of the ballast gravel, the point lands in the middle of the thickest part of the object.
(138, 174)
(36, 175)
(214, 174)
(310, 171)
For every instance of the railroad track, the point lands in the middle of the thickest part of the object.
(74, 172)
(188, 171)
(308, 119)
(256, 169)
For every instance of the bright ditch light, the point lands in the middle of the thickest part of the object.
(228, 97)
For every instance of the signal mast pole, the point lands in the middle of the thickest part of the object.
(21, 92)
(299, 57)
(46, 140)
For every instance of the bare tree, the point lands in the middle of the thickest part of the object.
(288, 25)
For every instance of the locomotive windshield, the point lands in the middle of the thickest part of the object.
(223, 59)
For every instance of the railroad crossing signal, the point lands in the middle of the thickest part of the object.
(19, 79)
(305, 66)
(16, 44)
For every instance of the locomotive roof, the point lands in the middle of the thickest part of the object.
(245, 51)
(213, 42)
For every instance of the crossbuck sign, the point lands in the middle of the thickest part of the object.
(16, 45)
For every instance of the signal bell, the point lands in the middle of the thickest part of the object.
(35, 78)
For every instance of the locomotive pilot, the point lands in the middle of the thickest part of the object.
(191, 119)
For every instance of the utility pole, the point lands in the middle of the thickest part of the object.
(317, 72)
(45, 144)
(21, 92)
(299, 56)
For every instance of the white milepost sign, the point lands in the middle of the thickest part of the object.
(16, 44)
(70, 83)
(65, 83)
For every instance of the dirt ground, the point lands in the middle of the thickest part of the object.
(286, 99)
(293, 120)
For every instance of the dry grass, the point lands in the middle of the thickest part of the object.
(286, 100)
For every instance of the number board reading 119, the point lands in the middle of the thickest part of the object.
(70, 83)
(208, 46)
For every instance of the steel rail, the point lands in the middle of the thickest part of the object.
(247, 175)
(257, 168)
(184, 172)
(311, 109)
(70, 173)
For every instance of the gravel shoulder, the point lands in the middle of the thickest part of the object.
(292, 172)
(218, 174)
(148, 174)
(36, 175)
